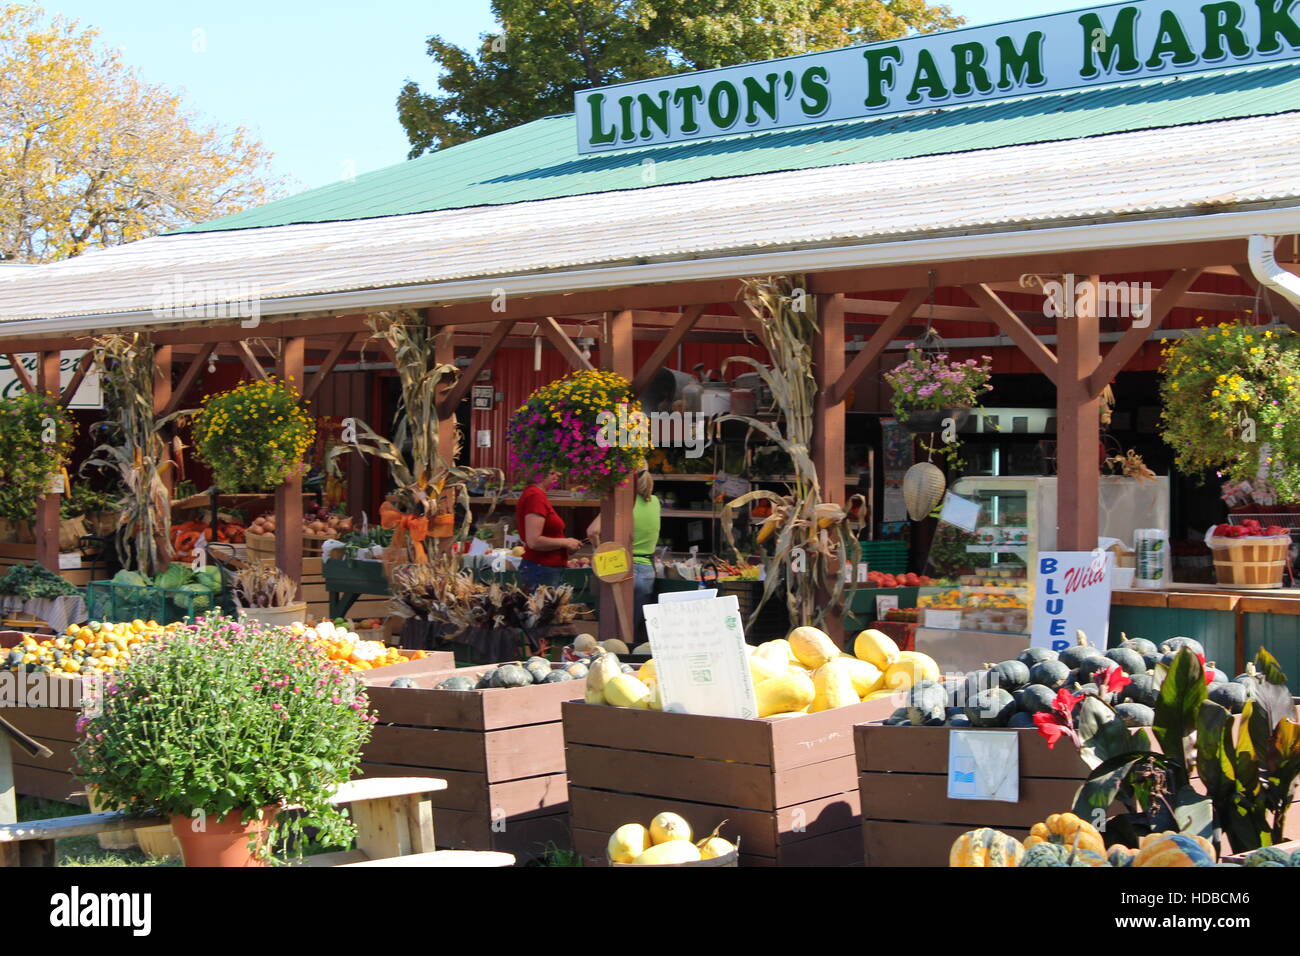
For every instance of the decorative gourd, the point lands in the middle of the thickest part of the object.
(959, 720)
(404, 682)
(812, 647)
(1068, 830)
(512, 675)
(833, 687)
(976, 682)
(764, 668)
(1010, 674)
(1035, 698)
(576, 670)
(991, 708)
(1268, 854)
(1135, 715)
(927, 695)
(1174, 643)
(1088, 858)
(1129, 660)
(985, 847)
(875, 647)
(1078, 653)
(1141, 691)
(1045, 854)
(1049, 674)
(1230, 696)
(457, 683)
(1120, 855)
(1174, 849)
(627, 843)
(1214, 675)
(1035, 655)
(1295, 858)
(614, 646)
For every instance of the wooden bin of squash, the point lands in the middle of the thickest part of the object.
(908, 818)
(786, 785)
(500, 750)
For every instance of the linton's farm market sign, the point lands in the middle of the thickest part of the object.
(1122, 41)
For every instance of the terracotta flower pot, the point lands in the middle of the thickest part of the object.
(222, 842)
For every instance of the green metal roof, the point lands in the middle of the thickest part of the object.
(539, 160)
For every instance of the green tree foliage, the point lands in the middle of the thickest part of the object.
(544, 52)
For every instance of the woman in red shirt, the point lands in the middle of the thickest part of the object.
(546, 549)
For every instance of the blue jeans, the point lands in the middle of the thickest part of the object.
(643, 589)
(532, 575)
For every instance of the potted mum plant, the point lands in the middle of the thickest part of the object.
(264, 593)
(221, 726)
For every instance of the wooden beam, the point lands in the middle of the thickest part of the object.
(708, 292)
(444, 353)
(1204, 301)
(70, 392)
(288, 496)
(341, 345)
(1078, 432)
(902, 312)
(476, 365)
(24, 379)
(1170, 294)
(942, 313)
(828, 435)
(1016, 330)
(192, 372)
(616, 506)
(251, 363)
(162, 396)
(564, 345)
(665, 348)
(48, 372)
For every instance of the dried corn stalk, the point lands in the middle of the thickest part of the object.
(136, 452)
(263, 585)
(427, 476)
(812, 536)
(438, 592)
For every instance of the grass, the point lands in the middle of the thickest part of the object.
(82, 851)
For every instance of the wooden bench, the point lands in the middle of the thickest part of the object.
(393, 817)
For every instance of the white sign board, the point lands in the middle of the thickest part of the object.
(88, 393)
(959, 511)
(984, 765)
(1071, 593)
(700, 657)
(1118, 42)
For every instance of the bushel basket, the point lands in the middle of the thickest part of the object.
(1252, 562)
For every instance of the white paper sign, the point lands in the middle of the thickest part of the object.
(984, 765)
(885, 602)
(959, 511)
(88, 393)
(1071, 593)
(699, 594)
(946, 620)
(69, 560)
(700, 657)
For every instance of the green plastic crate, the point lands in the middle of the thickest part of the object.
(887, 557)
(116, 603)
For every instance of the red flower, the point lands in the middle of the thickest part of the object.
(1115, 680)
(1066, 702)
(1209, 678)
(1050, 728)
(1059, 722)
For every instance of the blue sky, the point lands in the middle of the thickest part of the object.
(317, 79)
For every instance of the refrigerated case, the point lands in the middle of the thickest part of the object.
(985, 613)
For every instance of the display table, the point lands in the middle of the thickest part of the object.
(346, 579)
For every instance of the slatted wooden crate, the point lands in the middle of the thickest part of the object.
(501, 752)
(787, 786)
(14, 553)
(908, 818)
(316, 594)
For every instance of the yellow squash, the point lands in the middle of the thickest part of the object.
(784, 695)
(866, 677)
(668, 826)
(627, 843)
(875, 647)
(812, 647)
(674, 851)
(833, 687)
(603, 669)
(626, 691)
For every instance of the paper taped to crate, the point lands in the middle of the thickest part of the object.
(984, 765)
(700, 657)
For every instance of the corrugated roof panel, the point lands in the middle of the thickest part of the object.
(1190, 171)
(539, 160)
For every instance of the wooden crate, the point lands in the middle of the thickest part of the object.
(14, 553)
(907, 817)
(261, 547)
(787, 786)
(501, 752)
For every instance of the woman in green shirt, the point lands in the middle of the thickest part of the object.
(645, 537)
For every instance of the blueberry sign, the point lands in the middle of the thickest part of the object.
(1071, 594)
(1118, 42)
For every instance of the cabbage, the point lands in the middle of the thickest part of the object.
(209, 577)
(175, 577)
(133, 578)
(202, 598)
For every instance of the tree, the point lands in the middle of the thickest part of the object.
(544, 53)
(91, 156)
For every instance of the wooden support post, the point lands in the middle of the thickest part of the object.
(192, 373)
(616, 355)
(564, 345)
(162, 397)
(476, 365)
(47, 506)
(288, 497)
(444, 353)
(1078, 429)
(828, 422)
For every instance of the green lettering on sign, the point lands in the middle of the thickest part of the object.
(1023, 67)
(764, 96)
(656, 111)
(1117, 49)
(724, 104)
(816, 96)
(1171, 41)
(1223, 23)
(1275, 21)
(880, 73)
(968, 59)
(687, 98)
(927, 79)
(600, 133)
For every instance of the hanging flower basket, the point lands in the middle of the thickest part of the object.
(924, 421)
(254, 437)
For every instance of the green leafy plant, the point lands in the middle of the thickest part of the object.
(27, 461)
(1231, 397)
(1250, 773)
(27, 581)
(85, 500)
(229, 717)
(254, 436)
